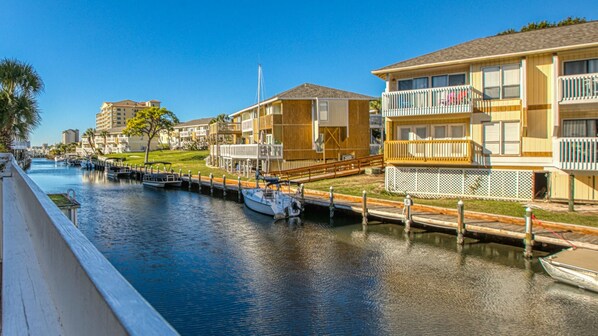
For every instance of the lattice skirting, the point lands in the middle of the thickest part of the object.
(465, 183)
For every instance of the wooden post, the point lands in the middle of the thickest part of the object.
(364, 209)
(223, 186)
(211, 184)
(239, 188)
(571, 192)
(529, 236)
(408, 202)
(460, 222)
(199, 181)
(302, 190)
(190, 179)
(331, 204)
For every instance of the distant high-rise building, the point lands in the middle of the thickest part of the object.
(116, 114)
(70, 136)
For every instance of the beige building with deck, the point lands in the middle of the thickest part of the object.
(504, 117)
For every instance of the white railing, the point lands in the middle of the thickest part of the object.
(201, 132)
(55, 281)
(184, 134)
(434, 101)
(248, 151)
(579, 88)
(578, 154)
(247, 125)
(376, 121)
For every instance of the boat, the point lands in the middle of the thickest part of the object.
(118, 172)
(87, 164)
(272, 202)
(161, 179)
(574, 266)
(59, 159)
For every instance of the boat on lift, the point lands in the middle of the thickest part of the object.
(574, 266)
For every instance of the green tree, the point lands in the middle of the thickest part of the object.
(545, 24)
(150, 122)
(104, 135)
(90, 134)
(221, 117)
(19, 114)
(376, 105)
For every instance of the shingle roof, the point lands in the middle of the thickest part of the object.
(516, 43)
(202, 121)
(311, 91)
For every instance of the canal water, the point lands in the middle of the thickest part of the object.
(211, 266)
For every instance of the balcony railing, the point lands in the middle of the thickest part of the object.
(376, 121)
(184, 134)
(225, 127)
(201, 132)
(450, 151)
(434, 101)
(248, 151)
(247, 125)
(579, 88)
(578, 154)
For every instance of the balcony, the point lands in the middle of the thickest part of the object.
(247, 125)
(225, 128)
(579, 88)
(376, 121)
(434, 101)
(579, 154)
(249, 151)
(201, 133)
(184, 134)
(442, 152)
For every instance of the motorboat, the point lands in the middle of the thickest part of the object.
(115, 172)
(271, 200)
(574, 266)
(162, 180)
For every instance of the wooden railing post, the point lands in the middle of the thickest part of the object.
(223, 186)
(239, 189)
(407, 203)
(211, 184)
(460, 222)
(364, 209)
(331, 203)
(529, 237)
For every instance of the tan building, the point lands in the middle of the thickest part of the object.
(116, 114)
(70, 136)
(186, 133)
(504, 117)
(305, 125)
(116, 142)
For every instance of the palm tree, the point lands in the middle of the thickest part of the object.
(104, 135)
(19, 113)
(90, 134)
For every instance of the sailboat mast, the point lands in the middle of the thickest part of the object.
(259, 86)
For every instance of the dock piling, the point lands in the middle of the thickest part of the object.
(302, 191)
(199, 181)
(529, 236)
(211, 184)
(460, 222)
(408, 202)
(239, 188)
(190, 179)
(364, 210)
(331, 204)
(223, 186)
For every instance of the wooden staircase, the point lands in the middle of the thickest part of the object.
(330, 170)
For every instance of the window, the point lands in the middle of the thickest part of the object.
(581, 67)
(323, 110)
(269, 139)
(501, 138)
(457, 131)
(412, 84)
(580, 128)
(440, 132)
(501, 82)
(448, 80)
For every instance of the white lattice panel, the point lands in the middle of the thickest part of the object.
(466, 183)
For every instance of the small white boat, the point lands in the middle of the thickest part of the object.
(59, 159)
(271, 202)
(577, 267)
(161, 180)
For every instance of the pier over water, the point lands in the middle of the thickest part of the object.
(210, 266)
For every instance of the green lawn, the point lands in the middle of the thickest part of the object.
(374, 185)
(185, 160)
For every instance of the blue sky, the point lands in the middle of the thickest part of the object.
(200, 59)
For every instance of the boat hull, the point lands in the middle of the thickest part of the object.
(159, 184)
(580, 278)
(276, 204)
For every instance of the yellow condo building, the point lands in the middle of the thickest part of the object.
(504, 117)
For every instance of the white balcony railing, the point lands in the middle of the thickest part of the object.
(578, 154)
(247, 125)
(248, 151)
(579, 88)
(434, 101)
(376, 121)
(201, 132)
(184, 134)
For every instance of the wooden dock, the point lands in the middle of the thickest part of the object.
(529, 232)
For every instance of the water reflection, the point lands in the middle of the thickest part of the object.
(212, 266)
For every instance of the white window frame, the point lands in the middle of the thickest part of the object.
(430, 80)
(576, 60)
(501, 141)
(501, 86)
(322, 112)
(449, 133)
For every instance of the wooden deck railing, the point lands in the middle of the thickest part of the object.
(332, 169)
(450, 151)
(225, 127)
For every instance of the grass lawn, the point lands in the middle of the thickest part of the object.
(185, 160)
(374, 185)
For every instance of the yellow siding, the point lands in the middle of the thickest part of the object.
(428, 73)
(539, 80)
(586, 187)
(538, 138)
(577, 55)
